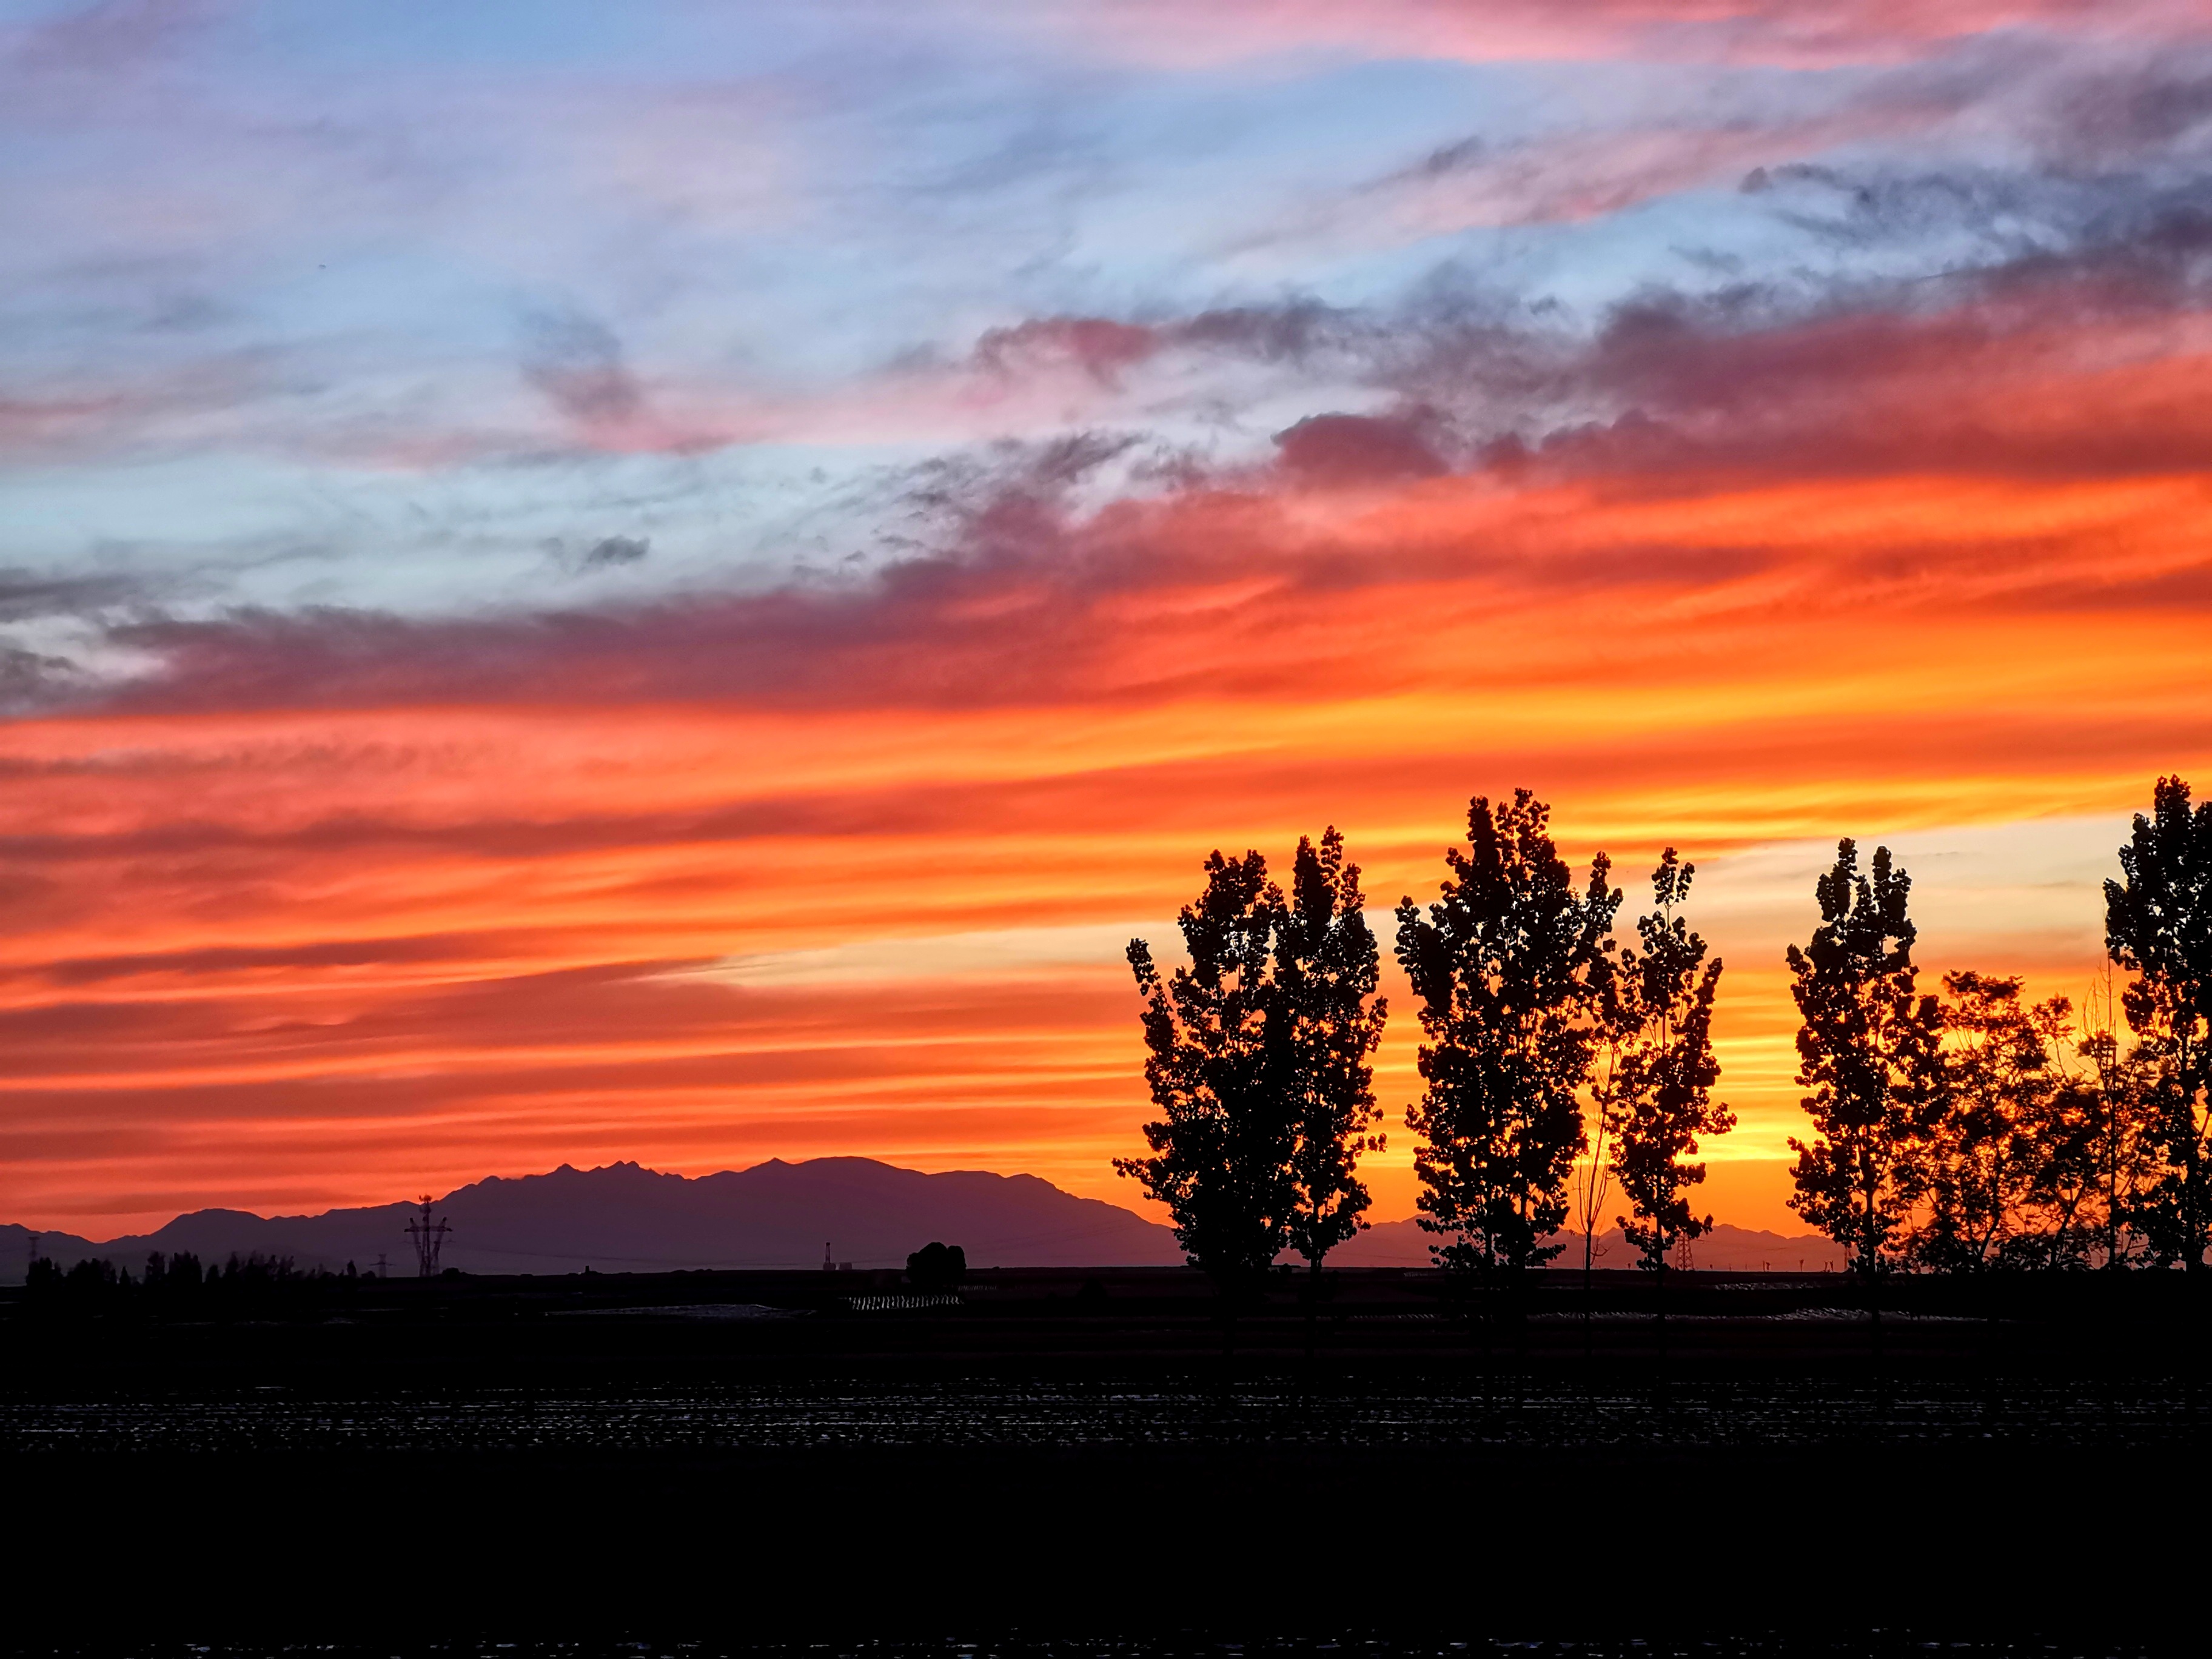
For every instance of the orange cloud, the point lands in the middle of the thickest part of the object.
(336, 906)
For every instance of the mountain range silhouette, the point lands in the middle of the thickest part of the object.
(623, 1218)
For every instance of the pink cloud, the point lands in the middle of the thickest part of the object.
(1784, 32)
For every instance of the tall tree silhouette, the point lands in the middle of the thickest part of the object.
(1869, 1048)
(2158, 926)
(1218, 1069)
(1326, 967)
(1511, 967)
(1659, 1094)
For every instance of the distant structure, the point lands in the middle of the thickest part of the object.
(383, 1271)
(829, 1267)
(429, 1238)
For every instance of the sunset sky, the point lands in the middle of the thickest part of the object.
(673, 580)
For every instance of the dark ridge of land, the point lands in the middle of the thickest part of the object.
(725, 1457)
(624, 1218)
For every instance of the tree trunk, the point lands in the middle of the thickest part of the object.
(1869, 1268)
(2192, 1213)
(1587, 1244)
(1313, 1304)
(2112, 1183)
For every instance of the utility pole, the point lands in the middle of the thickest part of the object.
(382, 1270)
(429, 1238)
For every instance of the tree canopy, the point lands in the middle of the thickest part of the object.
(1258, 1062)
(1658, 1094)
(1327, 968)
(1511, 967)
(2158, 926)
(1869, 1049)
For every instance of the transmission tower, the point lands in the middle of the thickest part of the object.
(429, 1238)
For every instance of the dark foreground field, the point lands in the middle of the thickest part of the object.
(739, 1458)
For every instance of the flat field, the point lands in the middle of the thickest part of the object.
(727, 1456)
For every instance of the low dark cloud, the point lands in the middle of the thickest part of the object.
(1099, 346)
(1295, 330)
(1449, 159)
(1353, 449)
(2114, 118)
(32, 681)
(27, 595)
(2002, 213)
(616, 551)
(1001, 498)
(577, 361)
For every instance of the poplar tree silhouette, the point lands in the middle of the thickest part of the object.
(2158, 926)
(1326, 967)
(1258, 1063)
(1869, 1049)
(1659, 1095)
(1217, 1069)
(1511, 966)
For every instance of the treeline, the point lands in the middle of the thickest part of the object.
(1968, 1129)
(178, 1287)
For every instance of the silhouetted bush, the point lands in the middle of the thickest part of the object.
(937, 1267)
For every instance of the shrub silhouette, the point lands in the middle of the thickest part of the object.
(937, 1267)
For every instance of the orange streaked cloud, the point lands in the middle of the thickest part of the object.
(268, 954)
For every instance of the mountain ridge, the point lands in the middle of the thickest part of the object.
(624, 1217)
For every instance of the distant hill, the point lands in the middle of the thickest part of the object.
(625, 1218)
(1403, 1244)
